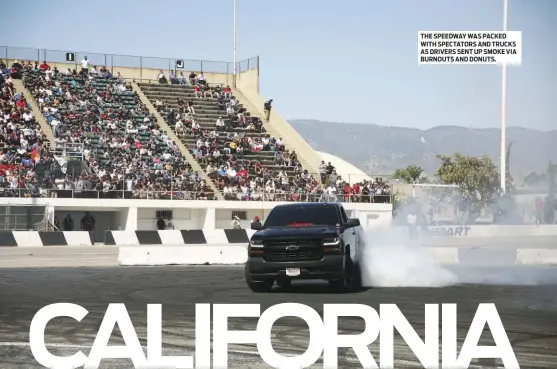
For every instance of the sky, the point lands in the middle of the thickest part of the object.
(352, 61)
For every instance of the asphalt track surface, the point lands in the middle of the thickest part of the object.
(529, 312)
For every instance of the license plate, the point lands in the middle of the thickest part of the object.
(292, 272)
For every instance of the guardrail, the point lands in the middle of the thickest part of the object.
(126, 61)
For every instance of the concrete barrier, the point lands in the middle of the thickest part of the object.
(235, 255)
(536, 257)
(182, 255)
(179, 237)
(39, 239)
(490, 231)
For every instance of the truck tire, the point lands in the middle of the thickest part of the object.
(352, 281)
(257, 286)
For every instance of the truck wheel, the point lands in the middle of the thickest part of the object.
(356, 278)
(258, 286)
(352, 281)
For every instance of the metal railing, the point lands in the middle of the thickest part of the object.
(257, 196)
(126, 61)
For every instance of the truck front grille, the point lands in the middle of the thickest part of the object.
(282, 250)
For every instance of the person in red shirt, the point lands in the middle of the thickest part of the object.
(44, 66)
(347, 193)
(197, 91)
(355, 192)
(227, 91)
(243, 173)
(21, 103)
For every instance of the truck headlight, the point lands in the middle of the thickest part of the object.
(331, 241)
(256, 243)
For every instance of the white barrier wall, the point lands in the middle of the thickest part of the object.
(131, 215)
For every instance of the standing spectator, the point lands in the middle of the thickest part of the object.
(539, 211)
(256, 222)
(161, 225)
(84, 65)
(236, 223)
(88, 224)
(411, 219)
(267, 109)
(67, 224)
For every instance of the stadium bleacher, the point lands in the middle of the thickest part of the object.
(22, 142)
(236, 152)
(119, 150)
(129, 156)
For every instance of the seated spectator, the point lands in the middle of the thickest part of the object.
(201, 79)
(161, 78)
(197, 91)
(227, 92)
(182, 79)
(44, 66)
(193, 78)
(173, 78)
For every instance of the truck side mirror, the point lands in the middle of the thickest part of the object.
(256, 226)
(355, 222)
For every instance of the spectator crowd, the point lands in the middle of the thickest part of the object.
(98, 114)
(101, 118)
(242, 159)
(21, 138)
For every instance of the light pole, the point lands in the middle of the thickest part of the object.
(234, 47)
(504, 110)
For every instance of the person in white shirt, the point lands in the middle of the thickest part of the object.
(27, 116)
(412, 219)
(201, 79)
(231, 172)
(85, 65)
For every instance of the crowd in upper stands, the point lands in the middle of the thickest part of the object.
(21, 139)
(121, 141)
(129, 155)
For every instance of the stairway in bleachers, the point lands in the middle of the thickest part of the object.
(207, 112)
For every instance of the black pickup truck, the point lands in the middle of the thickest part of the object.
(305, 241)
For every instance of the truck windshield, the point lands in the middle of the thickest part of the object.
(302, 216)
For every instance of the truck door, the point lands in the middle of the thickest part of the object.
(350, 237)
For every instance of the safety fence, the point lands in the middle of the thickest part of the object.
(253, 196)
(125, 61)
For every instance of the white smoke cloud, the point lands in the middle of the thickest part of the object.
(392, 259)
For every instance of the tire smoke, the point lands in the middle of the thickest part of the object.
(391, 259)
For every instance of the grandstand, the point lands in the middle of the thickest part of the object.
(134, 130)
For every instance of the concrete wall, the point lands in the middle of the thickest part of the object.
(124, 214)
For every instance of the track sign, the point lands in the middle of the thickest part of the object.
(70, 57)
(180, 64)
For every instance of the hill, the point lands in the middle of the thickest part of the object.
(386, 148)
